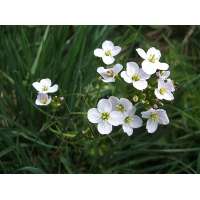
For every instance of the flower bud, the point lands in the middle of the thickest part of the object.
(135, 98)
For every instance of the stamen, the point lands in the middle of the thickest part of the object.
(152, 58)
(135, 77)
(128, 120)
(105, 116)
(108, 53)
(154, 116)
(120, 107)
(163, 91)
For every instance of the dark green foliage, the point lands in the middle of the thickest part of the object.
(60, 139)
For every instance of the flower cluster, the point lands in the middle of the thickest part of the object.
(44, 87)
(150, 85)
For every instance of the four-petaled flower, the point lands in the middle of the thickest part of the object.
(107, 52)
(135, 75)
(43, 99)
(164, 90)
(104, 116)
(109, 74)
(155, 117)
(131, 121)
(151, 60)
(121, 105)
(44, 86)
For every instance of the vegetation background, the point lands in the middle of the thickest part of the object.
(59, 139)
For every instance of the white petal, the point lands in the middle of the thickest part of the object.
(163, 74)
(132, 68)
(104, 105)
(104, 127)
(131, 111)
(127, 129)
(116, 118)
(93, 115)
(109, 80)
(116, 50)
(114, 101)
(107, 45)
(108, 60)
(53, 89)
(141, 53)
(46, 82)
(168, 96)
(117, 68)
(155, 52)
(162, 66)
(146, 114)
(126, 77)
(163, 118)
(37, 86)
(151, 126)
(170, 85)
(143, 75)
(40, 99)
(140, 85)
(161, 83)
(158, 95)
(98, 52)
(126, 103)
(148, 67)
(136, 122)
(101, 70)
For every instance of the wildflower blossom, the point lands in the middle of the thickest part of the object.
(109, 74)
(135, 75)
(43, 99)
(164, 90)
(104, 116)
(163, 74)
(121, 105)
(107, 52)
(131, 121)
(44, 86)
(155, 117)
(151, 60)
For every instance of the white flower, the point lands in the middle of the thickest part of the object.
(43, 99)
(110, 73)
(44, 86)
(121, 105)
(135, 75)
(164, 90)
(155, 117)
(131, 121)
(151, 60)
(163, 74)
(107, 52)
(104, 116)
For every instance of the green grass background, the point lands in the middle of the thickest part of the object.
(46, 140)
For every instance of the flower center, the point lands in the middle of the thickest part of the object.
(163, 91)
(110, 73)
(127, 120)
(44, 88)
(120, 107)
(105, 116)
(108, 53)
(135, 77)
(154, 116)
(152, 58)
